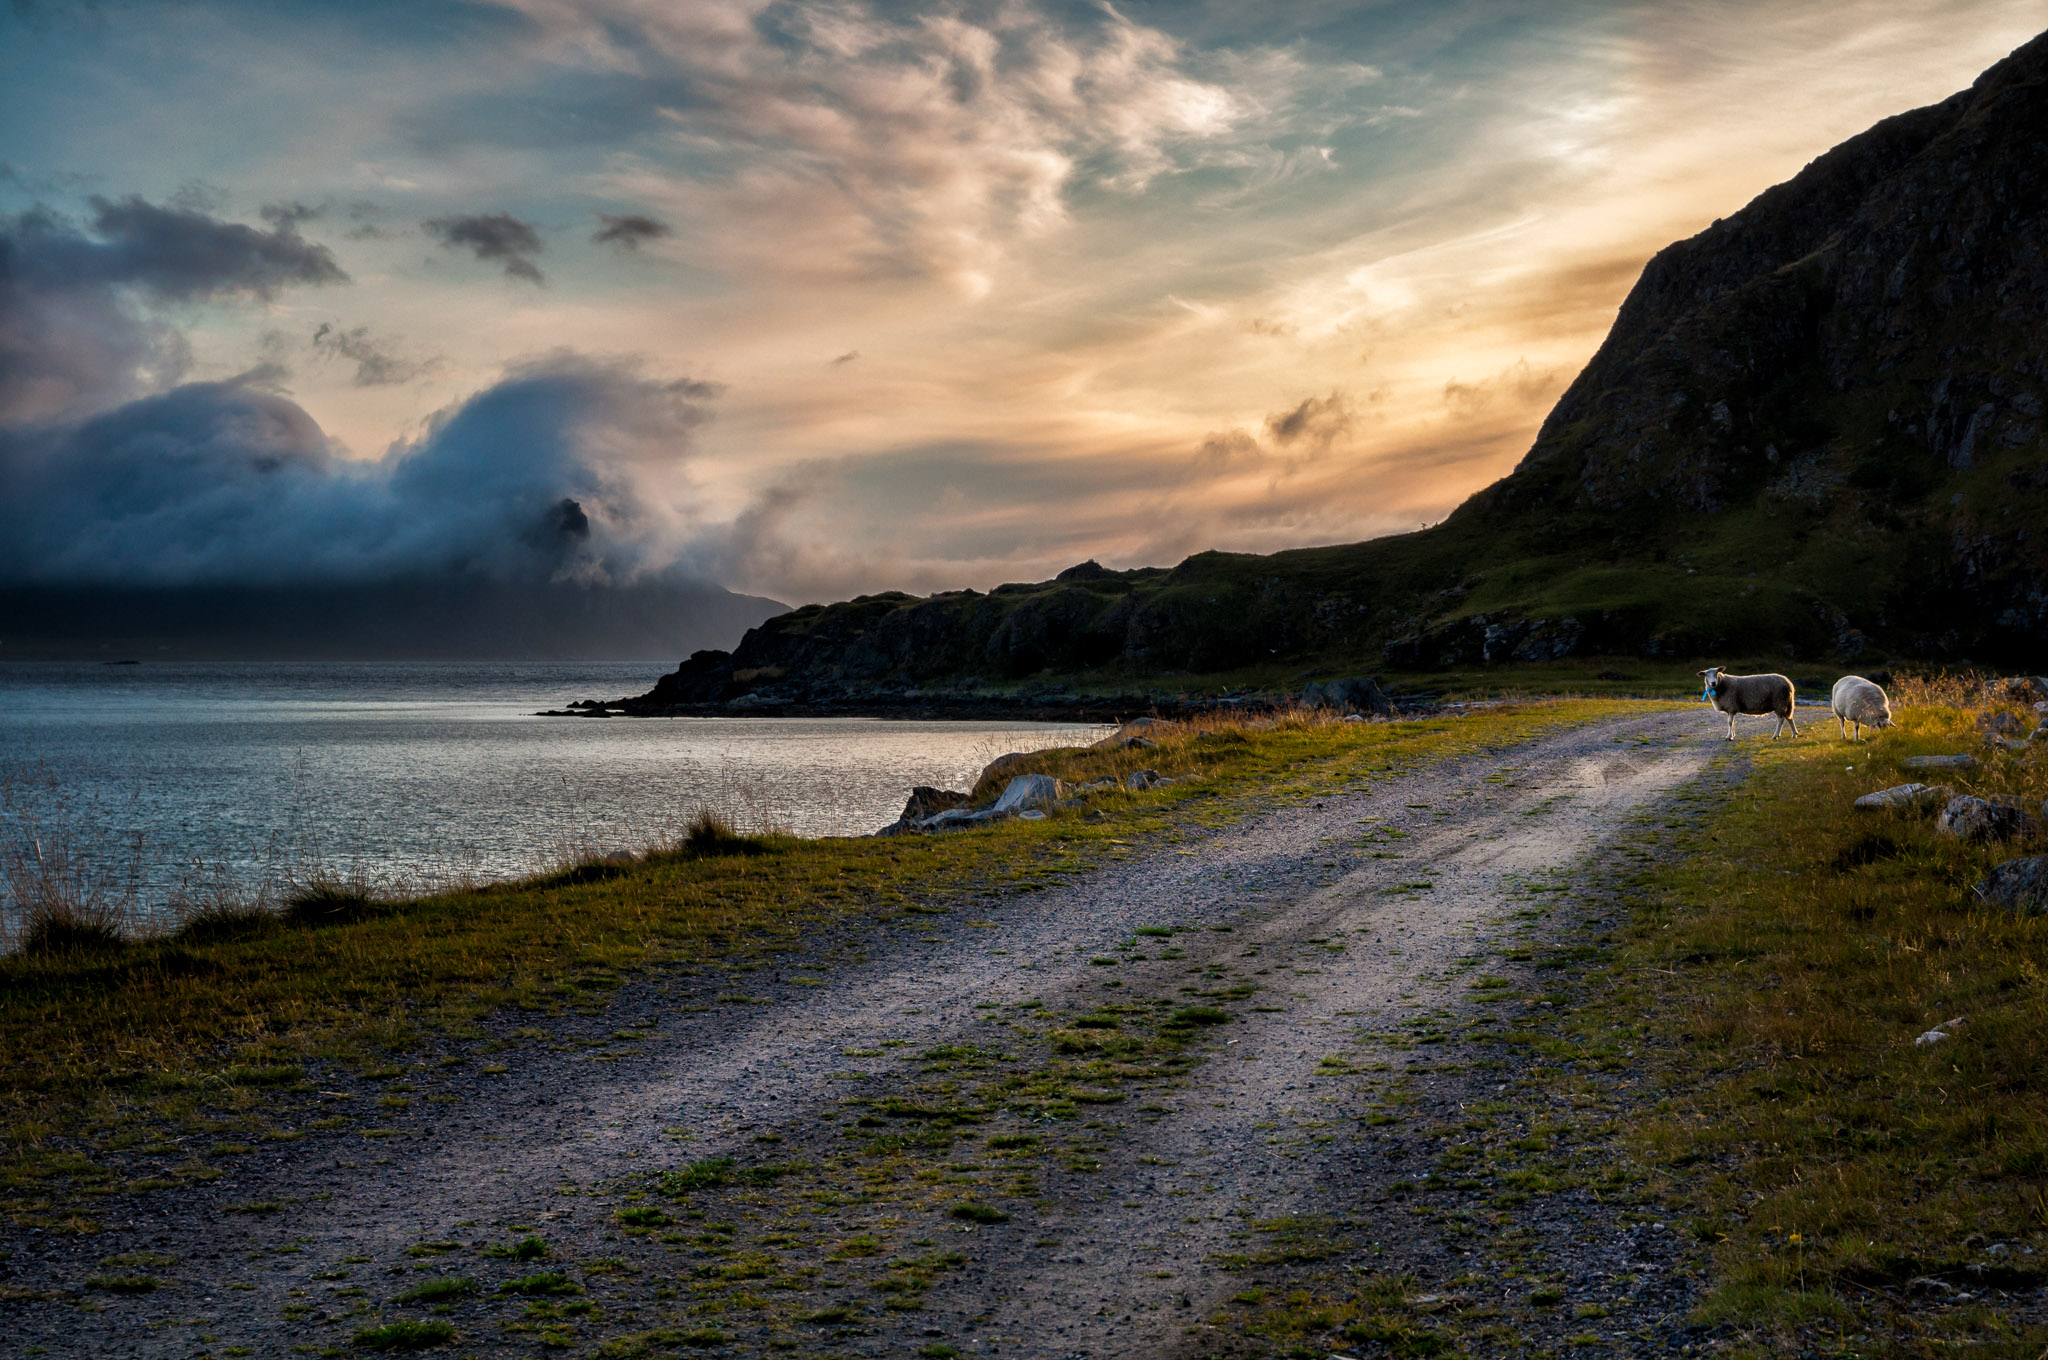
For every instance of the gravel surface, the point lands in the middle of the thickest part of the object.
(1368, 933)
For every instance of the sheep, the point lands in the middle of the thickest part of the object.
(1750, 696)
(1860, 703)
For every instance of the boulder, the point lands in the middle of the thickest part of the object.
(1359, 694)
(2027, 689)
(1975, 819)
(1905, 798)
(2012, 744)
(1137, 781)
(1138, 733)
(1957, 762)
(2001, 722)
(1011, 765)
(2019, 885)
(1028, 791)
(926, 801)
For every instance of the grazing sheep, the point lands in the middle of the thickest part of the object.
(1751, 696)
(1860, 703)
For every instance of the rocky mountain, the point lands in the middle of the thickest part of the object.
(1814, 431)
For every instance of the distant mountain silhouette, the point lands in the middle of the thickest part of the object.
(427, 618)
(1815, 431)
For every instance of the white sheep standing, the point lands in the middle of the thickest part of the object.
(1860, 703)
(1751, 696)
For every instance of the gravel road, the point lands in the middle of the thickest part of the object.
(1340, 934)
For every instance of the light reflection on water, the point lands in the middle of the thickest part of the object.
(404, 772)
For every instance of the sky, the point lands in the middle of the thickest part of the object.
(814, 298)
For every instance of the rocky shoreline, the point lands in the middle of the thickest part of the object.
(684, 694)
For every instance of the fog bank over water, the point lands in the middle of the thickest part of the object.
(420, 619)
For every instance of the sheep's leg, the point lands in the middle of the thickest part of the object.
(1792, 721)
(1731, 726)
(1845, 726)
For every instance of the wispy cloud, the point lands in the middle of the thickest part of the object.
(377, 363)
(628, 231)
(496, 238)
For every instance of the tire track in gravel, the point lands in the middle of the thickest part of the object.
(1136, 1259)
(1243, 1145)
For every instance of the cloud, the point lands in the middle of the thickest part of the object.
(844, 359)
(1229, 451)
(629, 231)
(562, 470)
(177, 254)
(1517, 385)
(932, 143)
(376, 364)
(288, 215)
(79, 325)
(1317, 422)
(498, 237)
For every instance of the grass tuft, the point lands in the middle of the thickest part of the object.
(404, 1336)
(525, 1249)
(437, 1291)
(545, 1283)
(329, 902)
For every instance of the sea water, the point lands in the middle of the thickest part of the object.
(189, 777)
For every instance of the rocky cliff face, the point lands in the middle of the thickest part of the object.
(1815, 429)
(1864, 343)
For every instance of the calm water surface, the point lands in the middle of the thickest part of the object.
(199, 773)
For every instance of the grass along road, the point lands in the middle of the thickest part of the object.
(1050, 1122)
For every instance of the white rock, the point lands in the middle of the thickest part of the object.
(1933, 1036)
(1032, 815)
(1902, 796)
(1956, 762)
(1028, 791)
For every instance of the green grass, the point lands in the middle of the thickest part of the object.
(525, 1249)
(1780, 969)
(437, 1291)
(404, 1336)
(157, 1034)
(546, 1283)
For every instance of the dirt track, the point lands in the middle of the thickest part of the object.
(1358, 927)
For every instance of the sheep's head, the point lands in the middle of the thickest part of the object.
(1709, 678)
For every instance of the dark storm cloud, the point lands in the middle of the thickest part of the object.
(539, 477)
(498, 238)
(629, 231)
(175, 253)
(76, 327)
(377, 364)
